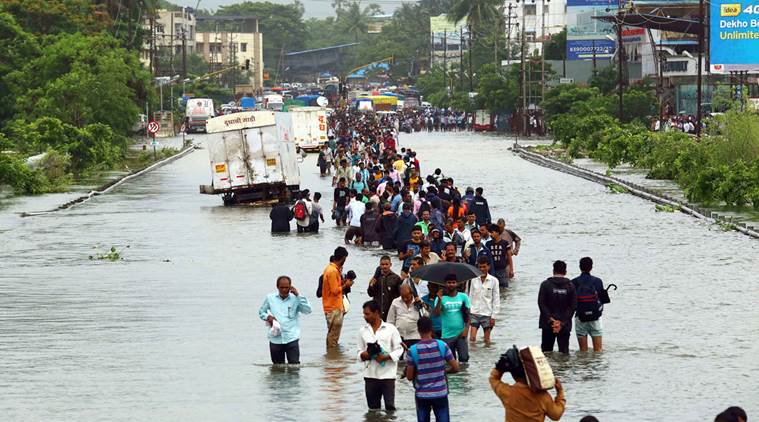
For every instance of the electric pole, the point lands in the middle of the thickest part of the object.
(523, 58)
(508, 30)
(620, 57)
(543, 49)
(471, 77)
(184, 54)
(461, 57)
(700, 65)
(445, 61)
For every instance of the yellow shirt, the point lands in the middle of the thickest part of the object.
(399, 166)
(525, 405)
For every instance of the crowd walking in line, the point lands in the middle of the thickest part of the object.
(418, 326)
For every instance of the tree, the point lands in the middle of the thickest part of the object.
(82, 80)
(18, 47)
(355, 21)
(556, 46)
(564, 99)
(52, 17)
(497, 93)
(605, 80)
(476, 12)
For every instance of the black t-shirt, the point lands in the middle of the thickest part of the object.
(500, 252)
(341, 196)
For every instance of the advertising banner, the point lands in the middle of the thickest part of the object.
(734, 36)
(582, 49)
(585, 34)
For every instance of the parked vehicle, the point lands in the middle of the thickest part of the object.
(251, 161)
(274, 102)
(197, 113)
(308, 127)
(247, 103)
(141, 126)
(483, 121)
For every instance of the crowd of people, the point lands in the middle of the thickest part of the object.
(383, 202)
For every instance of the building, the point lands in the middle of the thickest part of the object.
(235, 41)
(540, 18)
(171, 32)
(224, 49)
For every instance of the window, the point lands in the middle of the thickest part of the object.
(530, 9)
(199, 46)
(243, 47)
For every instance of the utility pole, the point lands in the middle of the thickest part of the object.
(445, 61)
(620, 57)
(524, 76)
(699, 78)
(471, 77)
(543, 49)
(151, 53)
(184, 54)
(461, 57)
(508, 33)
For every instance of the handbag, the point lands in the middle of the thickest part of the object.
(603, 295)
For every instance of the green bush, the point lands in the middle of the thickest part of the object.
(15, 173)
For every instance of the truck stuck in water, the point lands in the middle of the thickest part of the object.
(253, 158)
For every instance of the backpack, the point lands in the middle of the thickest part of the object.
(321, 283)
(299, 210)
(589, 307)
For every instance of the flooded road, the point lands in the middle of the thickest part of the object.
(172, 332)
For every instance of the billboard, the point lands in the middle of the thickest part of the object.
(734, 36)
(440, 24)
(589, 38)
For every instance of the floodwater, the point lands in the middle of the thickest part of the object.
(171, 332)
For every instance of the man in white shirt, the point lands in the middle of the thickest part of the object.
(379, 349)
(485, 299)
(404, 316)
(355, 208)
(419, 287)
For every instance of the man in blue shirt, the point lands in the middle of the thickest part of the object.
(281, 311)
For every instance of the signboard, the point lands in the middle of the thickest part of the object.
(237, 121)
(583, 49)
(587, 38)
(153, 127)
(440, 24)
(734, 36)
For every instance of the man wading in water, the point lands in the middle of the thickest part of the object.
(332, 295)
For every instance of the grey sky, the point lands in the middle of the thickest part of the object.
(314, 8)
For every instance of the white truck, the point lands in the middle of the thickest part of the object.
(250, 160)
(197, 113)
(309, 127)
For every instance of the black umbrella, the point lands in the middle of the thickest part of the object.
(436, 273)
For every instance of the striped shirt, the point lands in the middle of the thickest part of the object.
(430, 371)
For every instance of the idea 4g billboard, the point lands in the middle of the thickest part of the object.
(734, 36)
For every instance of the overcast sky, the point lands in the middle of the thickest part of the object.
(314, 8)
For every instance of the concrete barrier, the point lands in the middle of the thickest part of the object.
(113, 184)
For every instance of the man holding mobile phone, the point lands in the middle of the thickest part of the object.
(281, 311)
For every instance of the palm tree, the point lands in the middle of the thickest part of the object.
(476, 12)
(354, 20)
